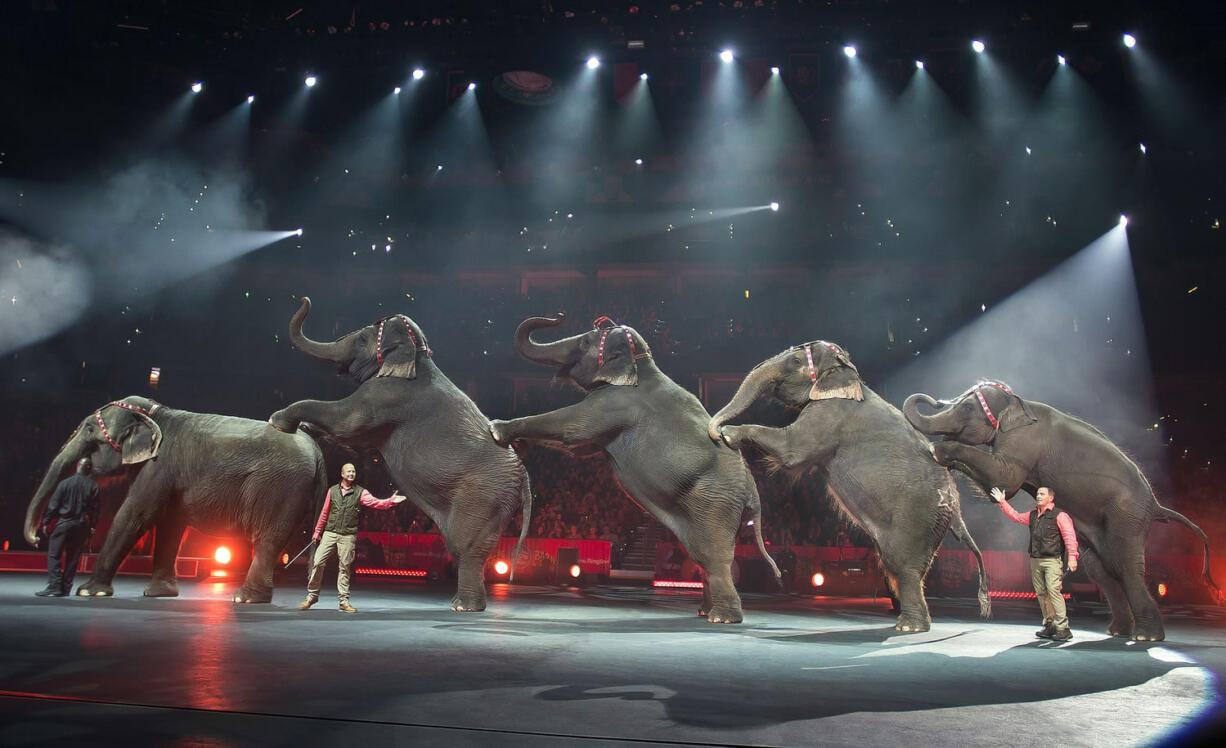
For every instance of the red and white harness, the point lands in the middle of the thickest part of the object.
(604, 334)
(983, 402)
(412, 337)
(126, 406)
(809, 355)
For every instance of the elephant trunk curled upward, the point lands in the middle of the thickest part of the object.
(219, 474)
(878, 469)
(433, 439)
(655, 434)
(1033, 445)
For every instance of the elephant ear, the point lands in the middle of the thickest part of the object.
(842, 380)
(1016, 413)
(141, 441)
(400, 361)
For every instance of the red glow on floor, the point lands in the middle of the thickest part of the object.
(415, 573)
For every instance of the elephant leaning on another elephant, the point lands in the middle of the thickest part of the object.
(655, 434)
(1034, 445)
(877, 468)
(219, 474)
(433, 439)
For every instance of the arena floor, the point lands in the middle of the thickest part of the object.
(598, 666)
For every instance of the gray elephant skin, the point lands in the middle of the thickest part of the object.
(878, 469)
(433, 439)
(1032, 445)
(654, 432)
(219, 474)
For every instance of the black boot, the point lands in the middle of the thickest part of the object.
(1061, 635)
(50, 591)
(1045, 632)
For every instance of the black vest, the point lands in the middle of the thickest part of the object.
(343, 514)
(1045, 538)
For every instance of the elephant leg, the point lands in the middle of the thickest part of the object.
(720, 601)
(257, 587)
(169, 536)
(470, 589)
(913, 608)
(129, 525)
(1127, 560)
(1121, 612)
(705, 607)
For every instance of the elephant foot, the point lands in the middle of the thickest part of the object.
(1120, 630)
(724, 614)
(498, 430)
(280, 422)
(462, 604)
(253, 595)
(162, 588)
(912, 625)
(1148, 634)
(95, 589)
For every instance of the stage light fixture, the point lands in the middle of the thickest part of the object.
(1060, 60)
(774, 70)
(638, 162)
(439, 167)
(222, 555)
(1143, 149)
(919, 64)
(197, 87)
(849, 50)
(593, 62)
(1123, 220)
(418, 74)
(1162, 589)
(501, 567)
(1027, 150)
(250, 98)
(310, 81)
(472, 86)
(285, 559)
(1130, 41)
(978, 46)
(575, 571)
(396, 90)
(726, 55)
(818, 579)
(642, 76)
(775, 207)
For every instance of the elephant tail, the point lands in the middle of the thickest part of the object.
(525, 499)
(958, 528)
(1166, 515)
(757, 534)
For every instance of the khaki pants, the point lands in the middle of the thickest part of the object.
(345, 548)
(1047, 574)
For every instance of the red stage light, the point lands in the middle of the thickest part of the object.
(416, 573)
(1162, 589)
(284, 559)
(501, 567)
(575, 571)
(677, 584)
(818, 580)
(222, 555)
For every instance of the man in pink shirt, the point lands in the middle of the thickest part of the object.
(1051, 538)
(337, 532)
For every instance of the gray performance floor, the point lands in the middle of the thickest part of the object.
(601, 666)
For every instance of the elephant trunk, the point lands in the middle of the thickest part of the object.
(61, 466)
(927, 424)
(752, 388)
(557, 353)
(327, 352)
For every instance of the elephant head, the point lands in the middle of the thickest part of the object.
(119, 433)
(606, 354)
(817, 370)
(974, 417)
(388, 348)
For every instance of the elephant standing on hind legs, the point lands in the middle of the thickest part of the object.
(878, 469)
(655, 434)
(1034, 445)
(433, 439)
(219, 474)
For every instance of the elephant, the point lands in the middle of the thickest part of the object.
(220, 474)
(654, 433)
(878, 469)
(433, 439)
(1033, 445)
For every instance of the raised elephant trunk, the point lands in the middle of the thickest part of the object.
(328, 352)
(557, 353)
(752, 388)
(929, 425)
(61, 466)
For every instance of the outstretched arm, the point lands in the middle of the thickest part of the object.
(569, 427)
(998, 495)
